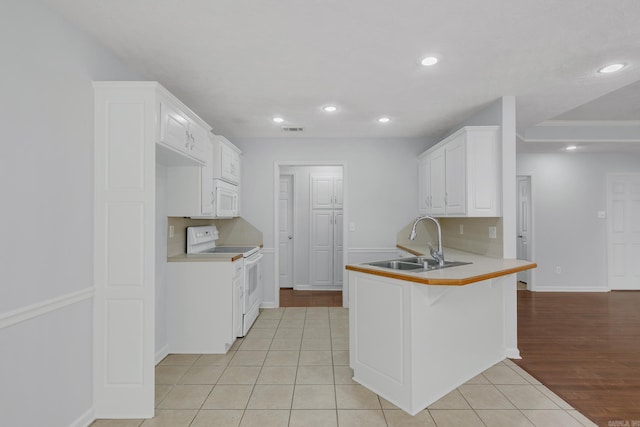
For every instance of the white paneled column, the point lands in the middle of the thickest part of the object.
(124, 251)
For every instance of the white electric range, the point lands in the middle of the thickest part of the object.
(202, 240)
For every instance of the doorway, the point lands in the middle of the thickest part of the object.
(524, 234)
(309, 213)
(623, 231)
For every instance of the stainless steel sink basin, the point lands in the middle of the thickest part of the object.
(415, 264)
(397, 265)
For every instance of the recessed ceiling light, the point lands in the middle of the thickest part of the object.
(278, 119)
(429, 61)
(611, 68)
(330, 108)
(571, 147)
(384, 119)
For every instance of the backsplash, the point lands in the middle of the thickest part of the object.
(476, 235)
(236, 231)
(475, 238)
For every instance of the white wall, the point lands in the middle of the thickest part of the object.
(46, 242)
(381, 179)
(567, 191)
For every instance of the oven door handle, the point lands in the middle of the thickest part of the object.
(252, 259)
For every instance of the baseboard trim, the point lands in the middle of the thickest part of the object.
(38, 309)
(268, 304)
(161, 354)
(513, 353)
(564, 289)
(84, 420)
(317, 288)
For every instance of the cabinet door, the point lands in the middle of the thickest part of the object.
(230, 168)
(174, 128)
(200, 143)
(482, 173)
(321, 192)
(207, 196)
(424, 190)
(235, 167)
(321, 248)
(337, 192)
(338, 249)
(455, 176)
(437, 194)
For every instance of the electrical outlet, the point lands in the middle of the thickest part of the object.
(558, 269)
(493, 233)
(171, 232)
(461, 228)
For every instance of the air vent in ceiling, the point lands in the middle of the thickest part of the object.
(292, 129)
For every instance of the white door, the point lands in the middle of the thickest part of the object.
(623, 231)
(321, 248)
(523, 224)
(286, 231)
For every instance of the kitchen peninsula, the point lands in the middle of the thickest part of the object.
(416, 336)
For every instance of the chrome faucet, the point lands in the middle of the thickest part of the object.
(437, 255)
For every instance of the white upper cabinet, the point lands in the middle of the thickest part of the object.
(226, 160)
(326, 192)
(181, 132)
(460, 176)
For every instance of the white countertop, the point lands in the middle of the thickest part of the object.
(481, 268)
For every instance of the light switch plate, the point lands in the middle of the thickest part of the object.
(352, 226)
(602, 214)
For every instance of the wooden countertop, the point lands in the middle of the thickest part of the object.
(481, 268)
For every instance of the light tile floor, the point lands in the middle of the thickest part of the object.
(292, 369)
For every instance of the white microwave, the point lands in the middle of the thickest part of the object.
(225, 200)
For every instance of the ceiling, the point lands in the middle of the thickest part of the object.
(239, 63)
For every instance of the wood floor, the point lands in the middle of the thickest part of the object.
(585, 347)
(291, 298)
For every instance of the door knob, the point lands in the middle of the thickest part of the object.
(290, 237)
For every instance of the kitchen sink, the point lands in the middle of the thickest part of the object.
(415, 264)
(397, 265)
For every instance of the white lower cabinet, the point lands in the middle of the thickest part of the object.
(460, 176)
(412, 343)
(202, 305)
